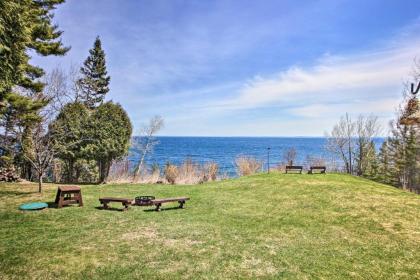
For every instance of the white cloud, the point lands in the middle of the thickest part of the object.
(311, 99)
(333, 78)
(376, 107)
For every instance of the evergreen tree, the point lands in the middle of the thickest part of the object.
(70, 134)
(384, 170)
(110, 131)
(95, 81)
(371, 162)
(25, 26)
(404, 152)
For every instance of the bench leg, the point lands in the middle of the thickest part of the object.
(80, 200)
(181, 204)
(105, 205)
(57, 196)
(125, 206)
(60, 201)
(158, 207)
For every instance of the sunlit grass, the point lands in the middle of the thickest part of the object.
(268, 226)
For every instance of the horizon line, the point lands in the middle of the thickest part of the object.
(242, 136)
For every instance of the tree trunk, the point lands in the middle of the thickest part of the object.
(360, 165)
(40, 175)
(104, 166)
(350, 159)
(70, 170)
(140, 164)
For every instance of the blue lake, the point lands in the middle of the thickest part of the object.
(224, 150)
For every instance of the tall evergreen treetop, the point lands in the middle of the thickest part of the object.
(26, 25)
(95, 81)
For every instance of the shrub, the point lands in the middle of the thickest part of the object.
(315, 161)
(171, 173)
(120, 172)
(189, 173)
(210, 171)
(289, 156)
(246, 165)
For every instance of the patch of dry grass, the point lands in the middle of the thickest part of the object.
(246, 165)
(187, 173)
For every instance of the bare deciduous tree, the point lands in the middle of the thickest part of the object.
(341, 141)
(40, 152)
(60, 89)
(367, 127)
(146, 142)
(289, 156)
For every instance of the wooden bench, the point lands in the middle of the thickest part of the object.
(158, 202)
(322, 169)
(126, 202)
(68, 195)
(296, 168)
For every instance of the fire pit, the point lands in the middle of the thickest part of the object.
(145, 200)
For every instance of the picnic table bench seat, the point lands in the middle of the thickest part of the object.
(126, 202)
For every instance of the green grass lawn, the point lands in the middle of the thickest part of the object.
(263, 226)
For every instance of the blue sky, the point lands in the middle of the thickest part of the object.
(247, 68)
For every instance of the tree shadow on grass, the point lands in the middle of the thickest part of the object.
(53, 205)
(111, 209)
(16, 193)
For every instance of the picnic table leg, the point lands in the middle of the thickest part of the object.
(57, 196)
(60, 200)
(105, 205)
(80, 199)
(125, 206)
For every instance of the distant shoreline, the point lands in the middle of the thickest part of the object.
(280, 137)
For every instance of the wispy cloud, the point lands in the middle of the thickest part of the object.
(246, 68)
(367, 76)
(368, 82)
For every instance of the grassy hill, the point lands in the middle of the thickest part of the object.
(263, 226)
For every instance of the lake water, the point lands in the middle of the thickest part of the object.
(224, 150)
